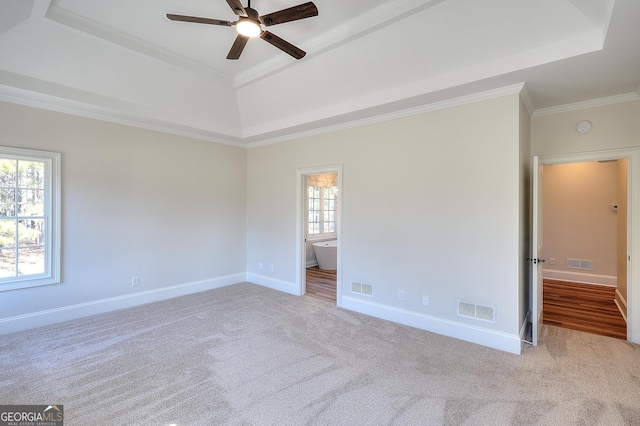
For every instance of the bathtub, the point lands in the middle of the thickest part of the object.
(327, 254)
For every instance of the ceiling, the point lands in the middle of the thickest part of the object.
(367, 60)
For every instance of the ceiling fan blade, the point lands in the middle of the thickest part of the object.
(198, 20)
(238, 47)
(237, 7)
(306, 10)
(283, 45)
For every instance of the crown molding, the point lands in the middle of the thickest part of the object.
(408, 112)
(526, 98)
(112, 115)
(116, 115)
(592, 103)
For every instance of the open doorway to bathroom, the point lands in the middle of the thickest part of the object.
(319, 231)
(321, 235)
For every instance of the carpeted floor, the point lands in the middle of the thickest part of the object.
(247, 355)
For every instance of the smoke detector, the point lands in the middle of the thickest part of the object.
(583, 126)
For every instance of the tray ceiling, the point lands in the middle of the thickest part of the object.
(124, 61)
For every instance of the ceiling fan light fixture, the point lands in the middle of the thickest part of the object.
(248, 27)
(250, 22)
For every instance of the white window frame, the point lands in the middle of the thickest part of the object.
(52, 217)
(321, 235)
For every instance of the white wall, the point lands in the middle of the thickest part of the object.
(170, 210)
(614, 126)
(431, 205)
(525, 215)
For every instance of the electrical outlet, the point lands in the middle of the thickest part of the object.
(271, 269)
(425, 300)
(260, 266)
(400, 295)
(552, 261)
(135, 282)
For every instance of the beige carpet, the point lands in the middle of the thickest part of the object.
(246, 355)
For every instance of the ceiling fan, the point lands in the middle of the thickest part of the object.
(249, 25)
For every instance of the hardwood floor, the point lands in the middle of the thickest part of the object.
(321, 284)
(583, 307)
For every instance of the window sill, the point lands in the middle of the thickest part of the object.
(322, 237)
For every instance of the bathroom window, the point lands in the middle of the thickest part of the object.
(321, 210)
(29, 218)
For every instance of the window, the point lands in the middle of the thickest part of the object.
(322, 210)
(29, 218)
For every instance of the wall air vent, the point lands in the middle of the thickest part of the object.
(360, 288)
(585, 265)
(479, 312)
(573, 263)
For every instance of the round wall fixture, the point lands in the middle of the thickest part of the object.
(583, 126)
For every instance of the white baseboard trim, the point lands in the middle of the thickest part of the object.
(80, 310)
(280, 285)
(580, 277)
(523, 329)
(470, 333)
(621, 303)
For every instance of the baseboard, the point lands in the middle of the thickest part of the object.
(580, 277)
(280, 285)
(621, 303)
(80, 310)
(494, 339)
(523, 329)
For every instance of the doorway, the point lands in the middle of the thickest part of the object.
(585, 242)
(631, 260)
(319, 220)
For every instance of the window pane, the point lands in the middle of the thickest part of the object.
(30, 174)
(329, 216)
(7, 263)
(7, 202)
(7, 172)
(7, 233)
(30, 232)
(30, 202)
(30, 261)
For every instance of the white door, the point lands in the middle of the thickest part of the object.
(536, 261)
